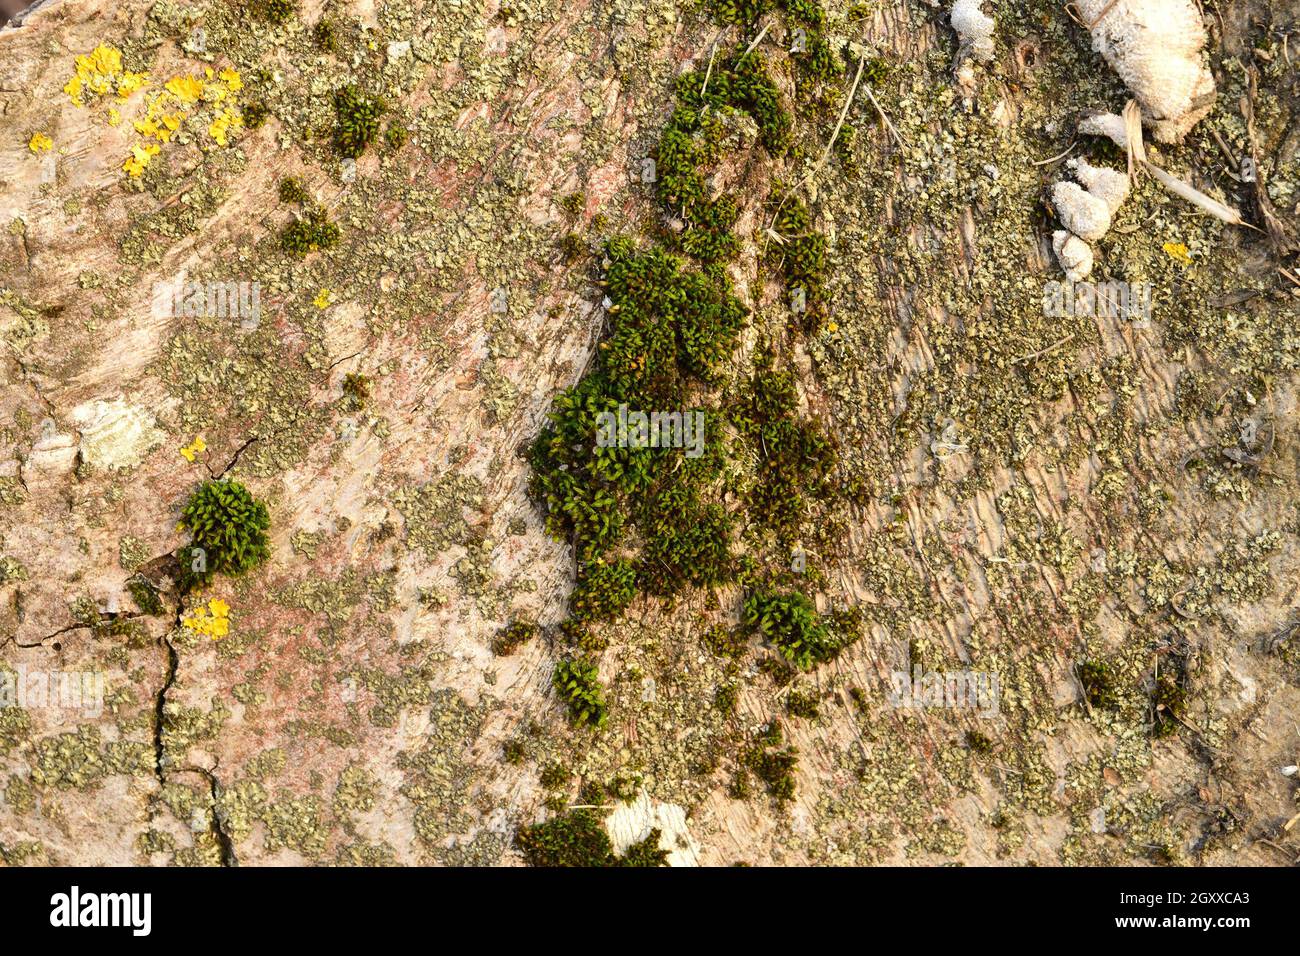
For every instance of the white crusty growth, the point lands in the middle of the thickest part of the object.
(1085, 211)
(1118, 130)
(1108, 185)
(1109, 125)
(1085, 215)
(1155, 47)
(974, 28)
(1074, 255)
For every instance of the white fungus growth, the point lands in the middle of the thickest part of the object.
(1085, 209)
(1109, 185)
(1074, 255)
(1109, 125)
(974, 27)
(1084, 214)
(1155, 47)
(1129, 137)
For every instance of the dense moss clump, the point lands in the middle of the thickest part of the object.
(687, 541)
(817, 65)
(791, 624)
(709, 237)
(357, 123)
(293, 191)
(807, 12)
(578, 684)
(744, 13)
(670, 331)
(737, 83)
(801, 256)
(795, 457)
(313, 233)
(254, 114)
(646, 852)
(578, 839)
(274, 11)
(228, 527)
(812, 55)
(1098, 683)
(512, 637)
(641, 518)
(604, 590)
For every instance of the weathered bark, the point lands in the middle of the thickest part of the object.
(1032, 492)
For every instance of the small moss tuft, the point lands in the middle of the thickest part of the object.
(554, 775)
(512, 637)
(313, 233)
(800, 703)
(772, 764)
(791, 624)
(1099, 686)
(646, 852)
(356, 389)
(274, 11)
(357, 121)
(324, 36)
(1169, 698)
(145, 594)
(228, 530)
(578, 684)
(254, 114)
(395, 135)
(514, 752)
(293, 191)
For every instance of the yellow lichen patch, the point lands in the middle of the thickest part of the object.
(1178, 252)
(159, 122)
(213, 620)
(97, 72)
(324, 298)
(139, 159)
(129, 83)
(100, 72)
(194, 448)
(40, 143)
(228, 119)
(187, 89)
